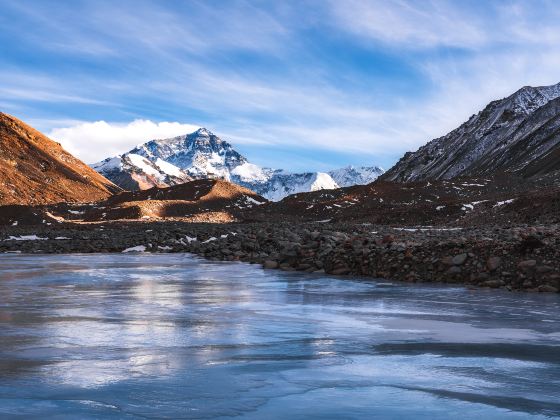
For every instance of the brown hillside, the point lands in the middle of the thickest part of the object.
(37, 170)
(204, 200)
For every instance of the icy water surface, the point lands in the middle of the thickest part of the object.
(173, 336)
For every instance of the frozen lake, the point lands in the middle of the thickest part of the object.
(174, 336)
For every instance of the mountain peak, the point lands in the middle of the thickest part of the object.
(203, 132)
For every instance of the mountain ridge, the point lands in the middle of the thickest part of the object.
(37, 170)
(495, 140)
(202, 154)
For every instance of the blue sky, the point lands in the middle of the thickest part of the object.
(299, 85)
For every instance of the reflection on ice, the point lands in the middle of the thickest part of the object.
(174, 336)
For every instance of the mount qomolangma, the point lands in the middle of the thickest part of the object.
(202, 154)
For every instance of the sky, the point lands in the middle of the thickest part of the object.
(299, 85)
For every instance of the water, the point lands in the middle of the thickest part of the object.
(173, 336)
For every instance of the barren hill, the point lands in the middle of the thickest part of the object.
(36, 170)
(205, 200)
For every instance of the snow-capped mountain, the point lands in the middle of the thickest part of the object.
(351, 175)
(280, 184)
(202, 154)
(517, 134)
(133, 172)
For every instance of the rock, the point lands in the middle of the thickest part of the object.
(492, 283)
(548, 288)
(387, 239)
(340, 271)
(447, 260)
(493, 263)
(286, 267)
(270, 264)
(480, 277)
(541, 269)
(527, 265)
(459, 259)
(454, 270)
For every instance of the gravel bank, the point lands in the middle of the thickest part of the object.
(515, 257)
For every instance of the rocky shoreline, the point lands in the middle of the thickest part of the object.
(514, 258)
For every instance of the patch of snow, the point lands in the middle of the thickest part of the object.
(501, 203)
(427, 229)
(142, 163)
(139, 248)
(168, 168)
(252, 200)
(351, 175)
(108, 165)
(25, 238)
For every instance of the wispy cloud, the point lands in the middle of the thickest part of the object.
(371, 79)
(417, 24)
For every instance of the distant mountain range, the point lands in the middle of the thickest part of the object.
(202, 154)
(517, 135)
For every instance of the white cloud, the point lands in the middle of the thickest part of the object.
(94, 141)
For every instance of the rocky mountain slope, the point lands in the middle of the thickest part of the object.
(202, 154)
(36, 170)
(518, 135)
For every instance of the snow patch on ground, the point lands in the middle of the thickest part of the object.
(25, 238)
(139, 248)
(501, 203)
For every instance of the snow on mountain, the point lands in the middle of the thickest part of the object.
(202, 154)
(351, 175)
(517, 134)
(135, 172)
(280, 184)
